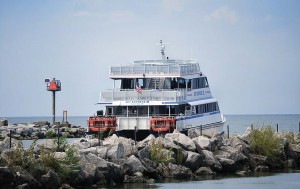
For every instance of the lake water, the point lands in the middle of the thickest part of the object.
(237, 123)
(258, 181)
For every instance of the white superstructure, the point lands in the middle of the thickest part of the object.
(151, 90)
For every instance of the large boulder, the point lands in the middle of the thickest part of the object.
(217, 141)
(174, 171)
(193, 133)
(228, 165)
(193, 161)
(240, 144)
(7, 177)
(127, 143)
(145, 142)
(13, 177)
(144, 153)
(50, 180)
(92, 163)
(5, 144)
(132, 165)
(181, 140)
(211, 161)
(231, 153)
(201, 143)
(115, 151)
(204, 171)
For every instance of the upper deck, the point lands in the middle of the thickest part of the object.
(155, 68)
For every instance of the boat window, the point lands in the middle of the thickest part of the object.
(206, 108)
(141, 82)
(127, 84)
(199, 83)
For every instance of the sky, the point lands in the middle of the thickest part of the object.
(249, 50)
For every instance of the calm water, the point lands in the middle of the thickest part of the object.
(237, 123)
(262, 181)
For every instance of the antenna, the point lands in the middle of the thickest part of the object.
(162, 51)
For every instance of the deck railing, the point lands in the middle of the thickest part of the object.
(140, 68)
(147, 95)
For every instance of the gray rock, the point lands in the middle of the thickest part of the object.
(65, 186)
(290, 163)
(240, 144)
(146, 141)
(234, 154)
(133, 179)
(5, 144)
(23, 186)
(115, 151)
(150, 171)
(132, 165)
(202, 142)
(102, 151)
(259, 159)
(144, 153)
(181, 140)
(262, 168)
(7, 177)
(193, 133)
(228, 165)
(193, 161)
(217, 141)
(80, 178)
(50, 180)
(93, 150)
(211, 161)
(295, 148)
(204, 171)
(174, 171)
(167, 143)
(3, 122)
(128, 144)
(92, 163)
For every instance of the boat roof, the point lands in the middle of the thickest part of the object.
(156, 68)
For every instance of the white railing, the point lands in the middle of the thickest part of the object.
(154, 68)
(149, 95)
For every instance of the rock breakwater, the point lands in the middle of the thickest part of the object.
(121, 160)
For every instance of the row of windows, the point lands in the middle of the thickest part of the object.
(205, 108)
(199, 83)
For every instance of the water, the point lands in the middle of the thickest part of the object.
(237, 123)
(286, 122)
(258, 181)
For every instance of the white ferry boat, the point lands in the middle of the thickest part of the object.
(158, 96)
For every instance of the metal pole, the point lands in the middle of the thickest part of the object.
(99, 135)
(58, 131)
(251, 127)
(299, 127)
(277, 127)
(53, 107)
(200, 130)
(9, 138)
(135, 135)
(227, 131)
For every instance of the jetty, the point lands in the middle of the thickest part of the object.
(90, 162)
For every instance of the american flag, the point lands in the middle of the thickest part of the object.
(138, 88)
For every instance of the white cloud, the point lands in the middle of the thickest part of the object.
(222, 14)
(172, 5)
